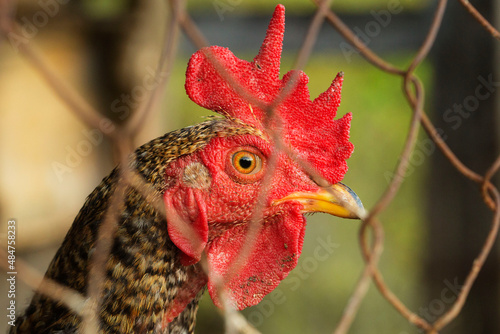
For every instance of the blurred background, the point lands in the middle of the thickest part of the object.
(109, 50)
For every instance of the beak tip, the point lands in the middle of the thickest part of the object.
(361, 213)
(350, 201)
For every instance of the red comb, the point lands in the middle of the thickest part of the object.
(309, 126)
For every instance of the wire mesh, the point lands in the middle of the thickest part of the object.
(371, 237)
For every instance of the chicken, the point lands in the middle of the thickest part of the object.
(211, 178)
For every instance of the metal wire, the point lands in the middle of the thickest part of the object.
(123, 138)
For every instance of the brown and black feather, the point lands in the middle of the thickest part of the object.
(143, 272)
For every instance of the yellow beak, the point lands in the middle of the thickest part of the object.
(338, 200)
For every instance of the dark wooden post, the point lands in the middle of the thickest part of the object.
(465, 90)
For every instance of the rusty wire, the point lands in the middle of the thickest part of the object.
(371, 248)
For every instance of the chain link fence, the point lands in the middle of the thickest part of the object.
(123, 135)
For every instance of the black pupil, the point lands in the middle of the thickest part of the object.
(246, 162)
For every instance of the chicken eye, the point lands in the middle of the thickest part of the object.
(246, 162)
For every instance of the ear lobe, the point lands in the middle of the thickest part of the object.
(187, 222)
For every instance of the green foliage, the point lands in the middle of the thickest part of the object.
(295, 6)
(104, 8)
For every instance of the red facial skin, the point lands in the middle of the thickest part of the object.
(227, 207)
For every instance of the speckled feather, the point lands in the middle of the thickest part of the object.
(143, 273)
